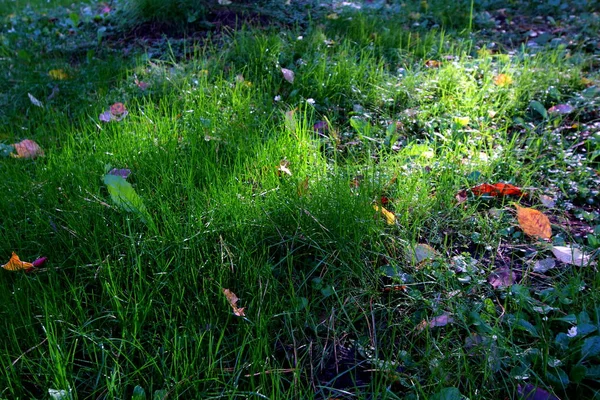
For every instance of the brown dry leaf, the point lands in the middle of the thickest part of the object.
(233, 299)
(533, 222)
(15, 264)
(389, 216)
(303, 187)
(440, 320)
(283, 167)
(288, 75)
(461, 196)
(28, 149)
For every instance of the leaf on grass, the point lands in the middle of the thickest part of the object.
(35, 101)
(123, 172)
(440, 320)
(58, 74)
(6, 149)
(571, 255)
(497, 189)
(432, 64)
(283, 167)
(321, 127)
(530, 392)
(116, 113)
(233, 299)
(424, 252)
(502, 80)
(15, 264)
(124, 196)
(303, 187)
(547, 201)
(502, 278)
(539, 108)
(389, 216)
(141, 85)
(461, 196)
(561, 109)
(544, 265)
(28, 149)
(288, 75)
(533, 222)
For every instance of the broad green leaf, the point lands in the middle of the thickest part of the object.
(138, 393)
(539, 108)
(591, 347)
(124, 196)
(578, 373)
(528, 326)
(449, 393)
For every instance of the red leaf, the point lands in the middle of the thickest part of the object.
(497, 189)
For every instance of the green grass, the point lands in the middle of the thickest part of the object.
(126, 301)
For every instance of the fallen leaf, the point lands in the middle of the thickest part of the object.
(15, 264)
(141, 85)
(233, 299)
(440, 320)
(502, 278)
(124, 196)
(547, 201)
(462, 121)
(283, 167)
(332, 16)
(106, 116)
(288, 75)
(303, 187)
(497, 189)
(502, 80)
(390, 218)
(530, 392)
(544, 265)
(561, 109)
(39, 262)
(320, 127)
(571, 255)
(461, 196)
(58, 74)
(432, 64)
(123, 172)
(117, 109)
(28, 149)
(35, 101)
(533, 222)
(424, 252)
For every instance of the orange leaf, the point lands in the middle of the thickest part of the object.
(502, 80)
(15, 264)
(233, 299)
(533, 222)
(28, 149)
(497, 189)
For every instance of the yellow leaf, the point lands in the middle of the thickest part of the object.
(28, 149)
(233, 299)
(58, 74)
(390, 218)
(15, 264)
(533, 222)
(502, 80)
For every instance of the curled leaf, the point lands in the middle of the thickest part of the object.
(283, 167)
(39, 262)
(15, 264)
(533, 222)
(233, 299)
(28, 149)
(35, 101)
